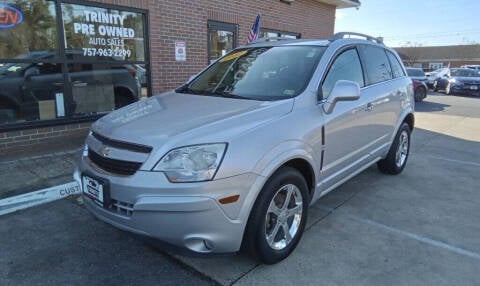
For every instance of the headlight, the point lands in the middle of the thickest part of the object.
(454, 80)
(192, 163)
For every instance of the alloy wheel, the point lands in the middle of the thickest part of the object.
(402, 151)
(283, 217)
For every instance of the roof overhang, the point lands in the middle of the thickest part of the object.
(342, 3)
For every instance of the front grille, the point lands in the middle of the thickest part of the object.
(121, 208)
(122, 145)
(114, 166)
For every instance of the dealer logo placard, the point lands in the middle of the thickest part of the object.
(9, 16)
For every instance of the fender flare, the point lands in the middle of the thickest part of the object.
(402, 118)
(271, 163)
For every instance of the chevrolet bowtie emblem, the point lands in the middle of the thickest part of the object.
(104, 151)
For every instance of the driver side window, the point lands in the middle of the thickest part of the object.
(345, 67)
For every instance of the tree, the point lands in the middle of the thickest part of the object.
(411, 51)
(38, 31)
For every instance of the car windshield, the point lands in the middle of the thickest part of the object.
(464, 73)
(261, 73)
(415, 72)
(8, 68)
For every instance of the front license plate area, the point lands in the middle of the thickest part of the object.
(96, 189)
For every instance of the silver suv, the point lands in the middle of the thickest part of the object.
(233, 158)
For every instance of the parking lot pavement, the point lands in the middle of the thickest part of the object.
(418, 228)
(61, 244)
(23, 174)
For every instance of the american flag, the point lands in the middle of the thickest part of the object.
(253, 35)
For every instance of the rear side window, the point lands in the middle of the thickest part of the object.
(397, 70)
(377, 67)
(345, 67)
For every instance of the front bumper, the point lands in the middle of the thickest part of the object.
(185, 215)
(465, 89)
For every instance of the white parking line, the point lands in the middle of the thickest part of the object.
(429, 241)
(24, 201)
(456, 161)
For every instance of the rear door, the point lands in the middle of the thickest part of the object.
(383, 92)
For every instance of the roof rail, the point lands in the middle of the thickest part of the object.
(269, 39)
(343, 35)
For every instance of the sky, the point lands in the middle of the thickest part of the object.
(405, 23)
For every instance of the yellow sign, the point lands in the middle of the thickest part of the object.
(233, 56)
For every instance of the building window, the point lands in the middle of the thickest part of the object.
(98, 65)
(267, 33)
(99, 32)
(222, 37)
(20, 37)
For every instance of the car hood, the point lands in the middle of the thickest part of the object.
(467, 79)
(190, 119)
(419, 77)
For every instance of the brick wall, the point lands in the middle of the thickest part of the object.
(186, 20)
(38, 138)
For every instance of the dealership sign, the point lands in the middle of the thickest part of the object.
(9, 16)
(106, 34)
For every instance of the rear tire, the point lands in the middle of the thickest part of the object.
(278, 217)
(398, 154)
(420, 94)
(122, 99)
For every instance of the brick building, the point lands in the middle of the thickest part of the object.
(431, 58)
(65, 63)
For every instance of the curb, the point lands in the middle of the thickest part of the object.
(20, 202)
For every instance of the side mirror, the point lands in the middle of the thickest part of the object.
(344, 90)
(32, 71)
(192, 77)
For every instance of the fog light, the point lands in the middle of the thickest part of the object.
(199, 245)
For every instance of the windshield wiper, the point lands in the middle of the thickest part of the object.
(230, 95)
(186, 89)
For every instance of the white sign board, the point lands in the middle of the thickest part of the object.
(180, 51)
(60, 104)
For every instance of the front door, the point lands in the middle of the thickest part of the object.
(345, 144)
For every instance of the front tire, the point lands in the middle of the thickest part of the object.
(398, 154)
(448, 89)
(8, 113)
(278, 217)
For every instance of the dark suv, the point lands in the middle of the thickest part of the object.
(89, 86)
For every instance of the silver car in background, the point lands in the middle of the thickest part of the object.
(233, 158)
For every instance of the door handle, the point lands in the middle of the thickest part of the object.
(369, 107)
(58, 83)
(79, 84)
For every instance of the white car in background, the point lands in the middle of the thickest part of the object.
(433, 75)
